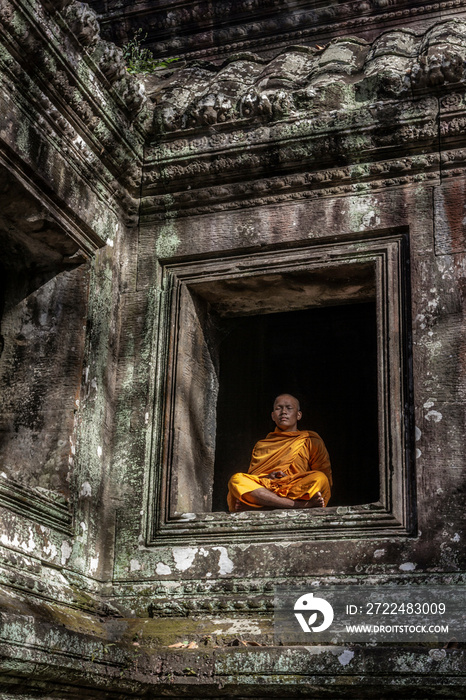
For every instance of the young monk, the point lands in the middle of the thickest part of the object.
(290, 468)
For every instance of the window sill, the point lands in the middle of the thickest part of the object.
(342, 522)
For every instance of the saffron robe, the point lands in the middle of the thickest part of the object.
(301, 454)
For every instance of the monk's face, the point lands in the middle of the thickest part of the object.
(286, 413)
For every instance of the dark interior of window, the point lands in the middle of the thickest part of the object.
(325, 356)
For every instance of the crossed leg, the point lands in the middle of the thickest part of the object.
(249, 492)
(269, 499)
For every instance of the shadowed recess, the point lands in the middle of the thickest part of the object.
(325, 356)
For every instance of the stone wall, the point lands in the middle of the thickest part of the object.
(137, 217)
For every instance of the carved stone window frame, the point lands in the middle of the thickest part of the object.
(394, 513)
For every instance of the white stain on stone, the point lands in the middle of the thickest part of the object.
(346, 657)
(65, 552)
(134, 565)
(109, 242)
(162, 569)
(86, 489)
(418, 453)
(50, 550)
(316, 650)
(417, 434)
(94, 563)
(184, 557)
(225, 565)
(231, 626)
(436, 416)
(455, 538)
(187, 516)
(428, 404)
(369, 219)
(146, 418)
(407, 566)
(83, 526)
(437, 654)
(4, 539)
(99, 451)
(31, 544)
(379, 553)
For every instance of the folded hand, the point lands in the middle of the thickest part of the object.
(277, 475)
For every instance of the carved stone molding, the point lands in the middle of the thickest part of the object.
(96, 114)
(45, 507)
(275, 130)
(245, 597)
(323, 183)
(299, 81)
(199, 30)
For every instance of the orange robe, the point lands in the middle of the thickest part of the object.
(301, 454)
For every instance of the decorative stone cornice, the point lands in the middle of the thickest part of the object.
(299, 81)
(210, 30)
(350, 180)
(347, 119)
(254, 597)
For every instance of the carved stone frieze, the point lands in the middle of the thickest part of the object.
(304, 111)
(199, 30)
(302, 80)
(322, 183)
(111, 62)
(82, 21)
(243, 597)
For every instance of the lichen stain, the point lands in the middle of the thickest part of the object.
(65, 552)
(86, 489)
(237, 627)
(436, 416)
(16, 544)
(167, 241)
(50, 550)
(162, 569)
(346, 657)
(407, 566)
(184, 557)
(363, 213)
(225, 565)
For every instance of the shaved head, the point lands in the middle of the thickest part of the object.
(289, 396)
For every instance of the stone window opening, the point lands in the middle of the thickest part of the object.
(324, 322)
(327, 357)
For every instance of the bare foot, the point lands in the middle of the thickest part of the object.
(316, 501)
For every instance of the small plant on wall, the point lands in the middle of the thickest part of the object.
(140, 60)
